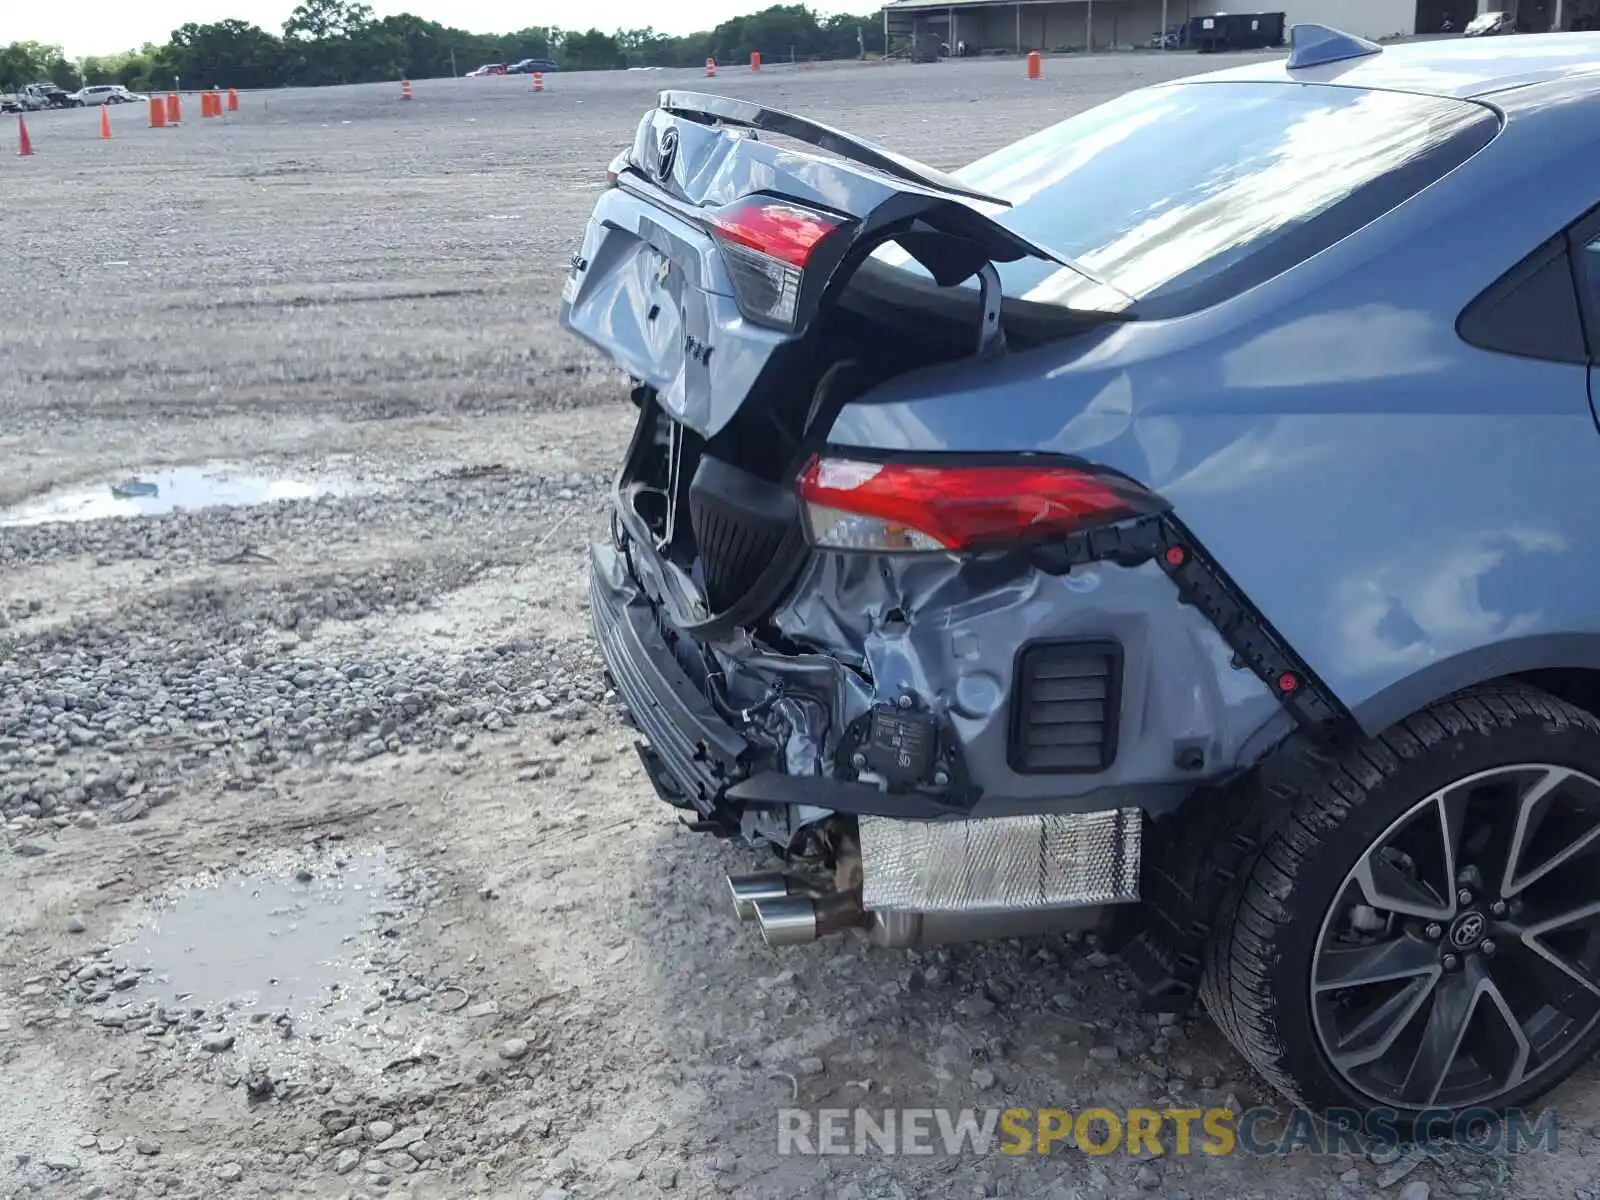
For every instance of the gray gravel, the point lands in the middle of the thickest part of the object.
(549, 999)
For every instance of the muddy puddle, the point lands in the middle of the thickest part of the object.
(169, 489)
(291, 939)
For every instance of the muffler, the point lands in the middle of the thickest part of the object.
(795, 920)
(748, 889)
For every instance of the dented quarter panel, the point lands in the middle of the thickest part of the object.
(948, 631)
(1413, 514)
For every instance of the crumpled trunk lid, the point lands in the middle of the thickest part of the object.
(653, 289)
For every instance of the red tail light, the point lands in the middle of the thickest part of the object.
(903, 507)
(767, 244)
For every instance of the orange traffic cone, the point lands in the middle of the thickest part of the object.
(158, 113)
(233, 99)
(711, 68)
(174, 109)
(1035, 65)
(538, 82)
(24, 144)
(105, 123)
(405, 89)
(755, 60)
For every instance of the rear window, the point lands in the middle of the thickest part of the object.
(1180, 196)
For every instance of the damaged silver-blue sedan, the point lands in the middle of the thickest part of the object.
(1182, 522)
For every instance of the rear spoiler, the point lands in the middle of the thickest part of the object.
(707, 109)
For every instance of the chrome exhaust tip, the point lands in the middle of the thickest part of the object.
(796, 920)
(787, 920)
(746, 890)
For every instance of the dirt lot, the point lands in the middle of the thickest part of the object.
(331, 870)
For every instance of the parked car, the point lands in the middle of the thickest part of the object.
(103, 93)
(1199, 548)
(529, 66)
(1489, 24)
(488, 69)
(51, 96)
(20, 102)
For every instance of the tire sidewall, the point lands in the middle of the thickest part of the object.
(1527, 739)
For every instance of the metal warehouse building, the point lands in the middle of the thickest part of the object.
(1017, 26)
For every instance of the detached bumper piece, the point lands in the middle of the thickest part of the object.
(1010, 864)
(693, 753)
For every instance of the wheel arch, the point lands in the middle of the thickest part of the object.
(1567, 665)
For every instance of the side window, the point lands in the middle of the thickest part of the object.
(1533, 310)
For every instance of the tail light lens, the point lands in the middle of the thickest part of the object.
(767, 244)
(897, 508)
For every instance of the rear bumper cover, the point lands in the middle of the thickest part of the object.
(696, 758)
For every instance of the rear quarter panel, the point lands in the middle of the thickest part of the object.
(1413, 514)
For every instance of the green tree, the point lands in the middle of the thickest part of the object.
(226, 54)
(23, 63)
(592, 51)
(321, 20)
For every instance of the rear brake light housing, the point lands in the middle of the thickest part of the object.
(769, 245)
(960, 507)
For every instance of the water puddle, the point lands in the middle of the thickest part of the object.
(292, 940)
(167, 490)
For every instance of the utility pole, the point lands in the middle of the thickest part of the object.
(453, 70)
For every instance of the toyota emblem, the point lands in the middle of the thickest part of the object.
(1467, 930)
(666, 155)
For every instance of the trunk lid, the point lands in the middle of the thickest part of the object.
(656, 288)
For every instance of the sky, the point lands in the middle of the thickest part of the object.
(111, 26)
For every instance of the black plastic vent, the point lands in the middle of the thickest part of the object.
(1065, 707)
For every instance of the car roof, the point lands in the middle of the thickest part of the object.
(1459, 67)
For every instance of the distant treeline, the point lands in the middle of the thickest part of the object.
(337, 41)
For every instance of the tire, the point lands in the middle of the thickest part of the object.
(1264, 945)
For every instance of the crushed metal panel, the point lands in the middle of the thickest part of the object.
(1006, 863)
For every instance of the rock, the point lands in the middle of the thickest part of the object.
(1147, 1177)
(149, 1147)
(1415, 1190)
(983, 1078)
(1351, 1178)
(58, 1160)
(1401, 1167)
(380, 1131)
(664, 1176)
(347, 1162)
(513, 1048)
(809, 1066)
(76, 924)
(102, 1074)
(30, 849)
(229, 1172)
(403, 1139)
(216, 1042)
(975, 1006)
(1104, 1053)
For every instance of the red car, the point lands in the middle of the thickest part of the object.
(488, 69)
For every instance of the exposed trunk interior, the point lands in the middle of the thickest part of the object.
(723, 511)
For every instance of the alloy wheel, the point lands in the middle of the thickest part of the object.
(1460, 958)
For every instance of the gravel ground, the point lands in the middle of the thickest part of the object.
(331, 869)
